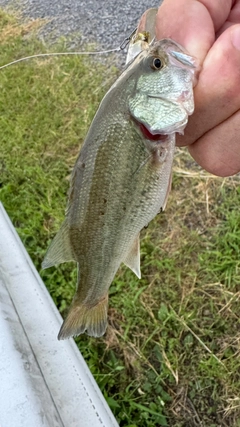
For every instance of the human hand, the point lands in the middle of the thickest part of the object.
(210, 31)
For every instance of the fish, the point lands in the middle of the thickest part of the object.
(122, 178)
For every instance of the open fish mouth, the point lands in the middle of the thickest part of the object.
(150, 135)
(154, 133)
(159, 116)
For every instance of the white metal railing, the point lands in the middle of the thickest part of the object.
(43, 381)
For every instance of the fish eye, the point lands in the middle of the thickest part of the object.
(157, 64)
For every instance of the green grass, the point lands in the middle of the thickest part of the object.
(171, 353)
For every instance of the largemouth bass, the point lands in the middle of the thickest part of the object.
(122, 178)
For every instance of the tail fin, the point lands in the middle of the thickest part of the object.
(82, 317)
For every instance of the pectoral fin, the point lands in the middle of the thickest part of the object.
(60, 249)
(167, 192)
(132, 259)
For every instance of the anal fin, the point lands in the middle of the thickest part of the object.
(60, 249)
(132, 259)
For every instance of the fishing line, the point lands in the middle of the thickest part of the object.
(42, 55)
(122, 46)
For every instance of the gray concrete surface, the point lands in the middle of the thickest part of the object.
(104, 22)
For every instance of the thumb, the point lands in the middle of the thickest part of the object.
(192, 23)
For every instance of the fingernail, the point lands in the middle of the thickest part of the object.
(235, 35)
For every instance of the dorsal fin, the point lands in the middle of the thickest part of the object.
(132, 259)
(60, 249)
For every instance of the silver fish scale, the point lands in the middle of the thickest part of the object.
(125, 191)
(111, 193)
